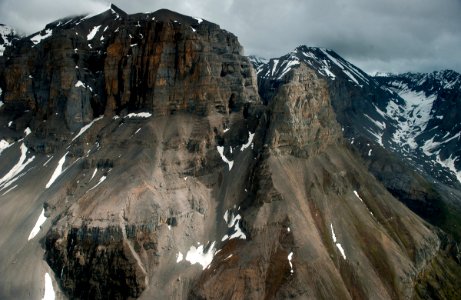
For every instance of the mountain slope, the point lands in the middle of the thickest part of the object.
(382, 125)
(432, 122)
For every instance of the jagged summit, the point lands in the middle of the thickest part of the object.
(326, 62)
(7, 34)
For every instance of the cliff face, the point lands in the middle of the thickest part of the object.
(163, 174)
(78, 69)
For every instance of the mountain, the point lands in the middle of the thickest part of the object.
(432, 124)
(7, 34)
(391, 128)
(144, 157)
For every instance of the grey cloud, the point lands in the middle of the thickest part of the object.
(391, 35)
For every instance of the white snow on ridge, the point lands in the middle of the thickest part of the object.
(450, 164)
(38, 37)
(80, 84)
(288, 65)
(139, 115)
(430, 145)
(86, 127)
(338, 245)
(38, 224)
(27, 131)
(4, 145)
(58, 171)
(199, 20)
(250, 140)
(290, 257)
(415, 113)
(341, 249)
(93, 32)
(381, 126)
(101, 180)
(274, 67)
(4, 32)
(357, 195)
(378, 124)
(347, 68)
(201, 256)
(327, 72)
(179, 258)
(233, 222)
(49, 290)
(94, 173)
(351, 77)
(223, 157)
(12, 175)
(333, 235)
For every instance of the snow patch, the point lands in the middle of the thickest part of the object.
(412, 117)
(200, 255)
(179, 258)
(9, 190)
(233, 221)
(250, 140)
(199, 20)
(101, 180)
(223, 157)
(139, 115)
(94, 173)
(49, 290)
(57, 171)
(450, 164)
(358, 196)
(39, 37)
(288, 66)
(27, 131)
(80, 84)
(338, 245)
(93, 32)
(290, 257)
(15, 171)
(4, 145)
(38, 224)
(86, 127)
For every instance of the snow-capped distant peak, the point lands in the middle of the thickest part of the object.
(324, 61)
(6, 36)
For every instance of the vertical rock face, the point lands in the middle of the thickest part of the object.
(164, 176)
(163, 62)
(303, 121)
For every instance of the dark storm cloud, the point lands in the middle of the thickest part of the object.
(391, 35)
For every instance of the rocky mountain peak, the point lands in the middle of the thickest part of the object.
(113, 63)
(7, 35)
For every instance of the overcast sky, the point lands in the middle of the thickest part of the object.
(376, 35)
